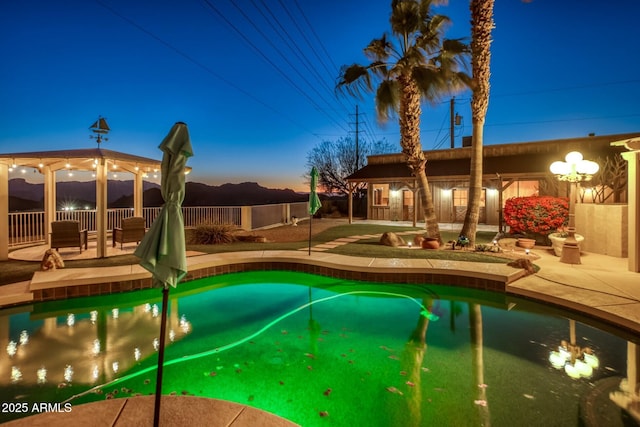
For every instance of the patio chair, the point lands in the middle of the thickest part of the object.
(131, 229)
(67, 234)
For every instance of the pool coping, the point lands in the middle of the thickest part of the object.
(75, 282)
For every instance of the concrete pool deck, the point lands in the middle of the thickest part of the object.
(600, 288)
(175, 411)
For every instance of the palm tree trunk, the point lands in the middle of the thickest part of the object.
(412, 360)
(481, 26)
(409, 120)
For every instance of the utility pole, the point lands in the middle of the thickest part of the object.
(451, 108)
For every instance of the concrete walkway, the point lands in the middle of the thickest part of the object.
(175, 411)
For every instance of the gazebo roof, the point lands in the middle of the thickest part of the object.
(81, 160)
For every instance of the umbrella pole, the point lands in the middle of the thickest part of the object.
(163, 328)
(310, 219)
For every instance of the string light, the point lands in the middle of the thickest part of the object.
(68, 373)
(42, 375)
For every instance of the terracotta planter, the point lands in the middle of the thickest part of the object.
(557, 242)
(430, 243)
(526, 243)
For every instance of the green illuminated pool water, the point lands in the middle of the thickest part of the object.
(315, 350)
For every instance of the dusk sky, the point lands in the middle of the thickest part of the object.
(254, 79)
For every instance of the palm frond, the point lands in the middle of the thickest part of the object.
(354, 80)
(456, 47)
(387, 99)
(431, 32)
(380, 70)
(405, 18)
(379, 50)
(461, 81)
(430, 82)
(454, 56)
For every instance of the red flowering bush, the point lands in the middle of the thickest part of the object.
(536, 214)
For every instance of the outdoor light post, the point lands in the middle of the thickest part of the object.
(574, 169)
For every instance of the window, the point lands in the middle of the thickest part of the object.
(521, 189)
(408, 198)
(381, 194)
(461, 196)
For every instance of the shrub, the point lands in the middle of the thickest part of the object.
(536, 214)
(213, 234)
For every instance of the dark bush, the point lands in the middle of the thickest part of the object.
(213, 234)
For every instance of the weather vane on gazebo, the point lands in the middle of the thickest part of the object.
(101, 129)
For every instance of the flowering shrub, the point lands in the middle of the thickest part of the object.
(536, 214)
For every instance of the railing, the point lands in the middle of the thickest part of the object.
(29, 227)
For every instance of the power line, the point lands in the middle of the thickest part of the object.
(294, 47)
(266, 58)
(313, 31)
(200, 65)
(313, 50)
(564, 120)
(587, 86)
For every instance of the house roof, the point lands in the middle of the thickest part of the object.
(518, 159)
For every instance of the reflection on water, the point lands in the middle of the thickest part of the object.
(84, 347)
(314, 350)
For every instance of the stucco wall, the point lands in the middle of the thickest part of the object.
(604, 227)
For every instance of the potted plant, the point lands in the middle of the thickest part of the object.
(526, 243)
(558, 238)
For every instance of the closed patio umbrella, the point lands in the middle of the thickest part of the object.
(314, 200)
(163, 250)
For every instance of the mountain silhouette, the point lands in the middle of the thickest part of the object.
(198, 194)
(26, 196)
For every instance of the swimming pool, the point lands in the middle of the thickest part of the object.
(319, 351)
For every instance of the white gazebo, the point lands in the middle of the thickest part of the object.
(97, 160)
(632, 156)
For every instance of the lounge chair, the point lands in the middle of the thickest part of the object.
(67, 234)
(131, 229)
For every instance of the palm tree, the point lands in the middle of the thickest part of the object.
(418, 64)
(481, 26)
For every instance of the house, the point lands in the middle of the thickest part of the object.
(509, 170)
